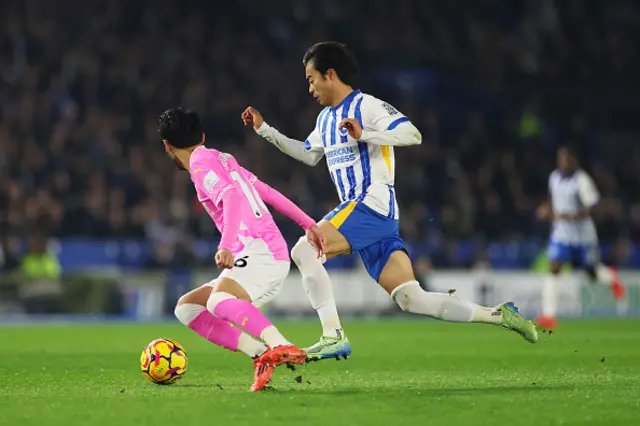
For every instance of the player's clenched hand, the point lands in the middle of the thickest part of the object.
(251, 117)
(544, 212)
(224, 259)
(316, 239)
(352, 126)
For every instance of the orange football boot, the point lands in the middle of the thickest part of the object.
(617, 287)
(266, 363)
(261, 375)
(548, 323)
(286, 354)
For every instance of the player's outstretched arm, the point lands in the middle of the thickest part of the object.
(292, 147)
(278, 201)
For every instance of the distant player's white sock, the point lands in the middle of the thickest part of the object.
(604, 274)
(412, 298)
(317, 284)
(549, 296)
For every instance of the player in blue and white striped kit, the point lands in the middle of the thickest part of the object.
(357, 133)
(574, 239)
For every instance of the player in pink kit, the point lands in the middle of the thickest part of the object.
(252, 252)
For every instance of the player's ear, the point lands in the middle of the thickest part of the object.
(202, 141)
(331, 74)
(167, 147)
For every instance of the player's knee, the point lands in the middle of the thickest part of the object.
(197, 296)
(217, 297)
(302, 252)
(405, 294)
(187, 312)
(184, 308)
(183, 300)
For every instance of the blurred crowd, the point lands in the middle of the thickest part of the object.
(81, 85)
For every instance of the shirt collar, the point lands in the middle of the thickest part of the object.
(349, 97)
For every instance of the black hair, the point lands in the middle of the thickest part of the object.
(328, 55)
(180, 128)
(572, 151)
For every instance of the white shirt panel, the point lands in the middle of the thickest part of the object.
(571, 194)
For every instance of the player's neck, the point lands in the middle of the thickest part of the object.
(341, 93)
(185, 157)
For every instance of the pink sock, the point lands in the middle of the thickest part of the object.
(243, 314)
(216, 330)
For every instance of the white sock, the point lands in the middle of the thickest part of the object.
(317, 284)
(187, 312)
(272, 337)
(604, 274)
(412, 298)
(250, 346)
(549, 296)
(217, 297)
(486, 315)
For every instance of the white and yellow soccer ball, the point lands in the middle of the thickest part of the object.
(163, 361)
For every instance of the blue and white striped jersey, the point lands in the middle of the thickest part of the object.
(361, 171)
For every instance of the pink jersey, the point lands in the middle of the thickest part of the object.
(235, 200)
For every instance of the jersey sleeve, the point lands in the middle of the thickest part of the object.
(380, 115)
(309, 152)
(314, 141)
(248, 176)
(274, 198)
(589, 195)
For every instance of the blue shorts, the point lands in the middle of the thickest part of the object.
(578, 255)
(374, 236)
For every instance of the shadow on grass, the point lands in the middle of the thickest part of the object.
(195, 385)
(494, 390)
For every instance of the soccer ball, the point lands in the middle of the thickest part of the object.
(163, 361)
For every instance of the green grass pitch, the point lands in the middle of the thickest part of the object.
(402, 372)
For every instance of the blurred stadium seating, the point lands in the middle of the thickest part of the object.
(495, 86)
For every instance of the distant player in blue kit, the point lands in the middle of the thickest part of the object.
(357, 134)
(573, 237)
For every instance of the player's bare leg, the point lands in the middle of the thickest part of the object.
(213, 312)
(601, 273)
(398, 279)
(316, 281)
(191, 310)
(229, 301)
(550, 297)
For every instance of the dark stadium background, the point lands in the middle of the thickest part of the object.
(495, 86)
